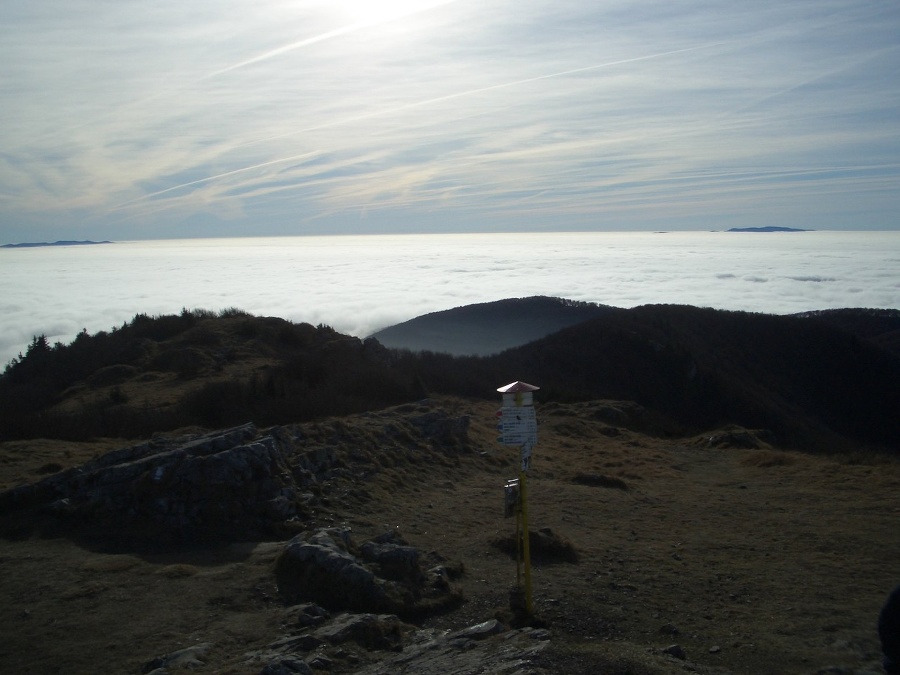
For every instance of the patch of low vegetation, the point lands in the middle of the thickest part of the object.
(546, 547)
(769, 458)
(664, 370)
(599, 480)
(112, 563)
(178, 571)
(608, 659)
(713, 566)
(197, 368)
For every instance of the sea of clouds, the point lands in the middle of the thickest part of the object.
(360, 284)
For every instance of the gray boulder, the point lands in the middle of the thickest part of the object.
(218, 487)
(326, 567)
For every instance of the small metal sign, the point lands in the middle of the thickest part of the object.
(525, 457)
(510, 498)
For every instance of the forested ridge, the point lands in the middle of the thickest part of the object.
(819, 381)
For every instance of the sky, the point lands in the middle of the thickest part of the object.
(129, 120)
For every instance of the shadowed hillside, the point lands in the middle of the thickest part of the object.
(879, 326)
(672, 527)
(800, 377)
(488, 328)
(807, 382)
(196, 368)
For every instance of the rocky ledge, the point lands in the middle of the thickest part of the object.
(238, 484)
(376, 644)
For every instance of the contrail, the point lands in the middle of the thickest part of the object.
(337, 32)
(388, 111)
(210, 178)
(265, 56)
(481, 90)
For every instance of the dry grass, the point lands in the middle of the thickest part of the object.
(781, 560)
(765, 459)
(178, 571)
(112, 563)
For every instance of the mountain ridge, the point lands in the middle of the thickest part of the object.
(814, 384)
(41, 244)
(700, 477)
(487, 328)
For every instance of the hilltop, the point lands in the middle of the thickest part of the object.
(711, 491)
(817, 382)
(488, 328)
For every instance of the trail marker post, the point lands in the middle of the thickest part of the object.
(518, 426)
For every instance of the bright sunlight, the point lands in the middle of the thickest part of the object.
(371, 12)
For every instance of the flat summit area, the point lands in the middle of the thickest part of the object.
(751, 559)
(711, 492)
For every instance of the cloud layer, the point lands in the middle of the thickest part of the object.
(361, 284)
(131, 120)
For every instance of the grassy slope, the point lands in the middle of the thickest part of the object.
(779, 559)
(814, 385)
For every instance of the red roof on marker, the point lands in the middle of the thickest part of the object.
(517, 387)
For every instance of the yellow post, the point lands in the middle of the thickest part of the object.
(526, 551)
(519, 543)
(519, 427)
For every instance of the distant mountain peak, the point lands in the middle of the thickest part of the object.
(490, 327)
(768, 228)
(40, 244)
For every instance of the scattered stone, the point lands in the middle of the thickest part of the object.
(394, 561)
(189, 657)
(287, 667)
(307, 615)
(676, 651)
(234, 484)
(218, 487)
(486, 647)
(715, 650)
(326, 567)
(431, 653)
(481, 631)
(298, 643)
(374, 632)
(321, 663)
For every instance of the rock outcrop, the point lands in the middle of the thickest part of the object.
(386, 575)
(381, 644)
(211, 488)
(236, 484)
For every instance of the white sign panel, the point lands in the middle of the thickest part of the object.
(518, 426)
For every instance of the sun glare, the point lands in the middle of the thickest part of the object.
(372, 12)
